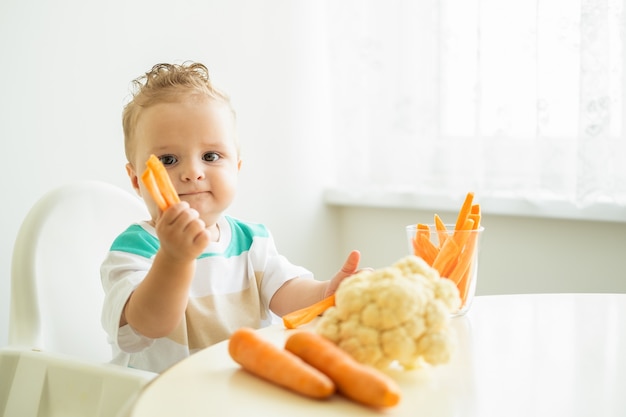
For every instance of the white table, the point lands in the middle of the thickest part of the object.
(518, 355)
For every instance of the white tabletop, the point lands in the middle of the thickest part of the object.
(518, 355)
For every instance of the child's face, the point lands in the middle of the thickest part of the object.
(195, 140)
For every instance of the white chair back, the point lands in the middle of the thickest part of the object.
(56, 292)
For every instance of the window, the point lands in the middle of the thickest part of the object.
(511, 99)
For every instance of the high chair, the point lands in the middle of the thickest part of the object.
(56, 361)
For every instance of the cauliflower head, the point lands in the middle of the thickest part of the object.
(400, 313)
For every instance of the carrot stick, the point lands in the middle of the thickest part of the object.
(461, 273)
(148, 180)
(453, 258)
(354, 380)
(465, 259)
(476, 215)
(163, 180)
(306, 314)
(465, 210)
(446, 255)
(463, 283)
(458, 262)
(449, 268)
(423, 230)
(461, 235)
(424, 248)
(442, 233)
(422, 245)
(476, 219)
(164, 187)
(283, 368)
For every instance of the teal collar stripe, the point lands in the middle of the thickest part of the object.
(138, 241)
(242, 235)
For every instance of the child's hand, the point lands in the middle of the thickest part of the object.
(350, 267)
(182, 234)
(156, 306)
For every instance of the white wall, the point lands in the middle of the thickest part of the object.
(65, 71)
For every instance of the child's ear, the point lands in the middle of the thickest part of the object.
(134, 178)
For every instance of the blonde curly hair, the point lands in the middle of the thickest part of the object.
(167, 83)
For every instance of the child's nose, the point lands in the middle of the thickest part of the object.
(193, 172)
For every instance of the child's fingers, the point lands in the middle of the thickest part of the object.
(351, 264)
(202, 238)
(193, 224)
(175, 213)
(350, 267)
(187, 220)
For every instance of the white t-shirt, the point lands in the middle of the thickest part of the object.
(234, 282)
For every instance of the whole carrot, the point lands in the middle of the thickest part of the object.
(283, 368)
(354, 380)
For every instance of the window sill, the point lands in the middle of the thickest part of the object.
(490, 205)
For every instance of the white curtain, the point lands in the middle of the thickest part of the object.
(507, 98)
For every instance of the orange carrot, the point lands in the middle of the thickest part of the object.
(464, 268)
(476, 219)
(306, 314)
(454, 258)
(422, 230)
(160, 185)
(424, 248)
(422, 245)
(467, 266)
(148, 180)
(442, 232)
(476, 215)
(163, 180)
(356, 381)
(464, 261)
(466, 209)
(461, 235)
(283, 368)
(464, 283)
(446, 255)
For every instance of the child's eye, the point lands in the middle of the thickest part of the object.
(210, 157)
(168, 159)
